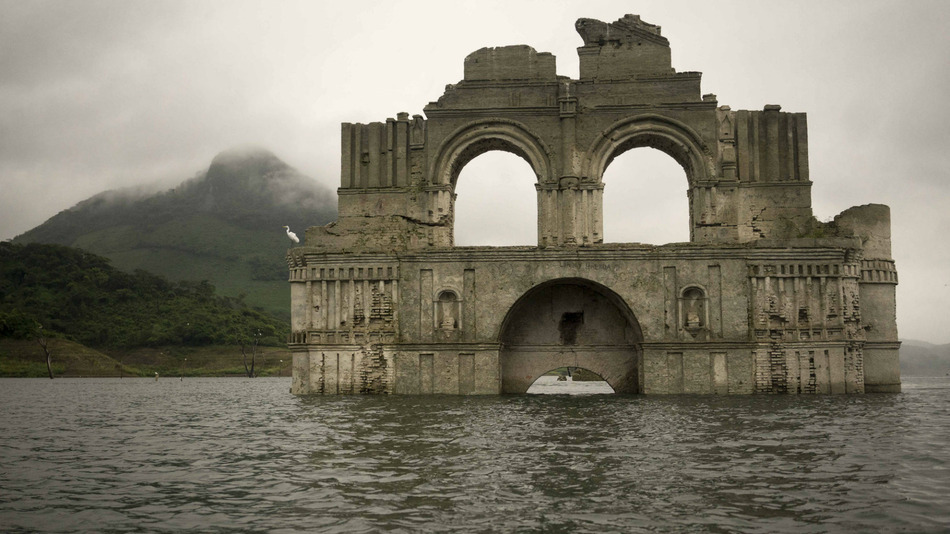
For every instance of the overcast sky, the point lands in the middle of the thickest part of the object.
(96, 95)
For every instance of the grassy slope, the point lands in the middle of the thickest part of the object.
(201, 247)
(25, 358)
(919, 358)
(205, 361)
(223, 225)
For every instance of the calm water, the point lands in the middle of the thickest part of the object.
(110, 455)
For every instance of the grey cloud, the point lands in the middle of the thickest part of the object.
(101, 94)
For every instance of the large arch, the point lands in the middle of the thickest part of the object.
(665, 134)
(570, 322)
(477, 137)
(668, 135)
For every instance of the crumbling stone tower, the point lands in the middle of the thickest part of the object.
(764, 298)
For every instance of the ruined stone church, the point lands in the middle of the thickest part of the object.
(762, 299)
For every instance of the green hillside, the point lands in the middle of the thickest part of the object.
(101, 321)
(224, 225)
(81, 297)
(919, 358)
(203, 361)
(25, 358)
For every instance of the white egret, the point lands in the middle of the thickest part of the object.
(291, 235)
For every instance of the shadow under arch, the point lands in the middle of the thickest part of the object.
(477, 137)
(570, 322)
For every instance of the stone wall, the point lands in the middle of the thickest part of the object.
(764, 298)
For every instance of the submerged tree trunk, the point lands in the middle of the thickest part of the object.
(249, 371)
(44, 342)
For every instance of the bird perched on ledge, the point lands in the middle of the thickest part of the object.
(291, 235)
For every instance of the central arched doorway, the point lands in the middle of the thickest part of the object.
(570, 322)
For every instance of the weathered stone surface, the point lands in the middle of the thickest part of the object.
(764, 299)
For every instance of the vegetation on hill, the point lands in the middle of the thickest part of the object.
(224, 225)
(919, 358)
(81, 297)
(25, 358)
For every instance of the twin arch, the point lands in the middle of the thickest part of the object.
(672, 137)
(667, 135)
(474, 139)
(570, 322)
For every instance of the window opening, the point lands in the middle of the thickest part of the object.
(569, 325)
(496, 202)
(645, 199)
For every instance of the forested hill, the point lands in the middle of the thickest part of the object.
(919, 358)
(80, 296)
(224, 225)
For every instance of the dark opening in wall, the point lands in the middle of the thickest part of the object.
(570, 323)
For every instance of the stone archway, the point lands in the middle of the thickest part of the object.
(677, 139)
(474, 139)
(478, 137)
(570, 322)
(672, 137)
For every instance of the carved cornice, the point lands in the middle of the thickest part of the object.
(665, 106)
(552, 111)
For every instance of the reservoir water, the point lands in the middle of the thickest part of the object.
(229, 454)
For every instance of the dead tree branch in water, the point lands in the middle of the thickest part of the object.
(248, 371)
(43, 341)
(256, 339)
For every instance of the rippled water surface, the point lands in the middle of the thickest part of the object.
(111, 455)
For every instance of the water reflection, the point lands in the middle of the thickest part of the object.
(241, 454)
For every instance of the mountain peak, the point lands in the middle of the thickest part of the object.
(242, 155)
(243, 176)
(243, 161)
(223, 224)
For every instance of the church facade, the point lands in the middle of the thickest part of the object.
(762, 299)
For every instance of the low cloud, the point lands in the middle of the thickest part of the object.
(99, 95)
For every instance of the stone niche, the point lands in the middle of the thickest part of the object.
(763, 299)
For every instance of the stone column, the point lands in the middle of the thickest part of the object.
(571, 206)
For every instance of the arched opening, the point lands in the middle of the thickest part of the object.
(570, 322)
(496, 201)
(680, 142)
(646, 199)
(570, 381)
